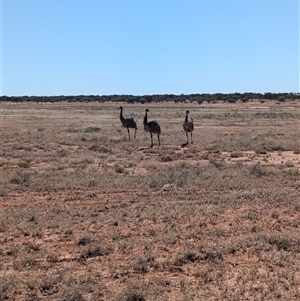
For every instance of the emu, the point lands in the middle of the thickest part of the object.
(128, 122)
(188, 127)
(152, 127)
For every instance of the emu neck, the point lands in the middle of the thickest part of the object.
(121, 114)
(145, 119)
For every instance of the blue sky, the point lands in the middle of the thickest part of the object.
(139, 47)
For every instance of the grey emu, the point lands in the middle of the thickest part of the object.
(128, 122)
(188, 127)
(152, 127)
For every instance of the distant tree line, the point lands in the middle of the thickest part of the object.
(199, 98)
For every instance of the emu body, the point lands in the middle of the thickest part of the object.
(188, 127)
(128, 122)
(152, 127)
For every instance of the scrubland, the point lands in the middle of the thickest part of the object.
(88, 215)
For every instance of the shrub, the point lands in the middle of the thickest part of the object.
(257, 170)
(236, 154)
(95, 251)
(92, 129)
(73, 296)
(186, 257)
(83, 241)
(119, 169)
(24, 164)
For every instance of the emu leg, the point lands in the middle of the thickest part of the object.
(134, 132)
(158, 139)
(151, 140)
(128, 133)
(191, 137)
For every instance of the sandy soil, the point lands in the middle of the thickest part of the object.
(233, 235)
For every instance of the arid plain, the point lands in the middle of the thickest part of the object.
(88, 215)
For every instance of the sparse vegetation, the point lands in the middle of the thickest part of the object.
(92, 129)
(88, 215)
